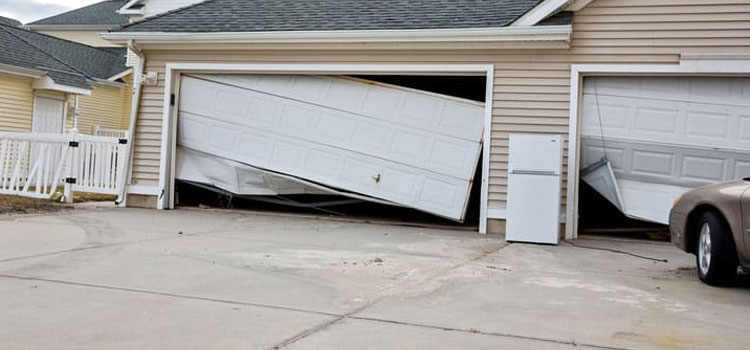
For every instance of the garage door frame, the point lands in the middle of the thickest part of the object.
(690, 65)
(174, 70)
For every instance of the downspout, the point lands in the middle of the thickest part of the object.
(76, 112)
(137, 83)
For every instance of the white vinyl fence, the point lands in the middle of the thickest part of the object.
(39, 165)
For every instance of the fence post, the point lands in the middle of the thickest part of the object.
(72, 173)
(123, 152)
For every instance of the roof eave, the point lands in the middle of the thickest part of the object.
(76, 27)
(21, 71)
(48, 83)
(486, 35)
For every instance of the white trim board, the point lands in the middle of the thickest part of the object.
(540, 12)
(690, 65)
(481, 35)
(165, 188)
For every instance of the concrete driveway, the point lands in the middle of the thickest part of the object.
(200, 279)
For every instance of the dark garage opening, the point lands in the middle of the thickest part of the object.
(467, 87)
(597, 216)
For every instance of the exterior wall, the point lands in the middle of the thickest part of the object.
(16, 103)
(108, 107)
(88, 37)
(531, 87)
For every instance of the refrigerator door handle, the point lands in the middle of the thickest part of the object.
(534, 172)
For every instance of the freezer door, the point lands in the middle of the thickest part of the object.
(534, 153)
(533, 209)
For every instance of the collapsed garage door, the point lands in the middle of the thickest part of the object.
(662, 137)
(265, 134)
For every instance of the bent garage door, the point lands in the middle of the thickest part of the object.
(666, 135)
(389, 143)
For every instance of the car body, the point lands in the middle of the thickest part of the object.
(713, 222)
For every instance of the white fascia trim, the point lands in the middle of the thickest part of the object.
(504, 34)
(540, 12)
(69, 27)
(165, 190)
(690, 65)
(121, 75)
(103, 82)
(47, 83)
(20, 71)
(126, 10)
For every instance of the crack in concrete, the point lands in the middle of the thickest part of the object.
(494, 334)
(384, 295)
(337, 318)
(167, 294)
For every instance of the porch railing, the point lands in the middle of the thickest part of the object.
(40, 165)
(101, 131)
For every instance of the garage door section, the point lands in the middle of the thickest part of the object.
(405, 146)
(664, 136)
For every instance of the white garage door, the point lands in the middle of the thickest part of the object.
(405, 146)
(664, 136)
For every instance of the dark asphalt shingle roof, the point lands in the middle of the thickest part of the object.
(64, 61)
(321, 15)
(100, 14)
(9, 21)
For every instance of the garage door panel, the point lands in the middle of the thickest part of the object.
(431, 112)
(704, 90)
(679, 165)
(373, 137)
(335, 143)
(357, 172)
(666, 121)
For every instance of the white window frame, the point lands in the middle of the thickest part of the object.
(690, 65)
(174, 70)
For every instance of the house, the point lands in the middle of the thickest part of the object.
(659, 87)
(84, 24)
(50, 85)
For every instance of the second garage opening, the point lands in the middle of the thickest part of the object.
(646, 140)
(390, 147)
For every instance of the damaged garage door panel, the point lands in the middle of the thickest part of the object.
(663, 136)
(405, 146)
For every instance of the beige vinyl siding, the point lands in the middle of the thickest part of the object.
(108, 107)
(16, 103)
(531, 87)
(88, 37)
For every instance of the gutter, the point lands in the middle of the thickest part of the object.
(26, 72)
(103, 82)
(503, 34)
(137, 83)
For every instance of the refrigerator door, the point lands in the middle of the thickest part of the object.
(535, 154)
(533, 209)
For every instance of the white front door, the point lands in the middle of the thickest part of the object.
(49, 115)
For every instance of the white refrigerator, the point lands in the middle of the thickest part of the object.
(534, 188)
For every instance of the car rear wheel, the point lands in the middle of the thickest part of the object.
(716, 254)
